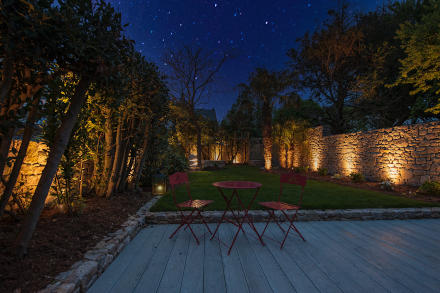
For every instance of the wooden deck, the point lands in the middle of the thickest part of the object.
(356, 256)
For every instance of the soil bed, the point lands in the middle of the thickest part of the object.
(60, 240)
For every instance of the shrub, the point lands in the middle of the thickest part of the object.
(386, 185)
(337, 176)
(322, 171)
(300, 169)
(357, 177)
(430, 187)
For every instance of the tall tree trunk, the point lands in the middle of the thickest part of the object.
(4, 148)
(267, 134)
(27, 135)
(117, 160)
(199, 147)
(94, 180)
(126, 174)
(134, 184)
(120, 185)
(128, 148)
(7, 74)
(108, 153)
(62, 136)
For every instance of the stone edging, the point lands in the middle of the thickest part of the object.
(310, 215)
(83, 273)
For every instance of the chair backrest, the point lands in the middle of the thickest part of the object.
(179, 178)
(295, 179)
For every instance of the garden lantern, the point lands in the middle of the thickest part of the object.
(159, 184)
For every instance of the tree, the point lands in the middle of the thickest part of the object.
(290, 123)
(28, 48)
(420, 67)
(379, 105)
(239, 125)
(94, 49)
(267, 88)
(192, 73)
(327, 65)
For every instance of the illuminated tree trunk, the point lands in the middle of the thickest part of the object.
(199, 147)
(108, 153)
(125, 153)
(4, 148)
(290, 155)
(27, 135)
(283, 155)
(62, 136)
(267, 134)
(140, 163)
(117, 161)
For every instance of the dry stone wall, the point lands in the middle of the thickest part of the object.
(31, 169)
(404, 155)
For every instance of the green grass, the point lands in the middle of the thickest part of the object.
(317, 194)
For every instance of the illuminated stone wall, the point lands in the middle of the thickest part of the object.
(30, 172)
(404, 154)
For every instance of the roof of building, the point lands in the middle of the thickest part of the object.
(208, 113)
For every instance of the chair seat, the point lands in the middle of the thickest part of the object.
(197, 203)
(275, 205)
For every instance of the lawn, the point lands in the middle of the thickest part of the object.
(317, 194)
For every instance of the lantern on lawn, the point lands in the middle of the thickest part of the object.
(159, 184)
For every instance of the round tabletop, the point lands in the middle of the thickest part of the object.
(237, 184)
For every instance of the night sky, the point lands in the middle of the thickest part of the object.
(257, 33)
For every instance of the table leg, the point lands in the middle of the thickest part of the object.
(246, 215)
(228, 202)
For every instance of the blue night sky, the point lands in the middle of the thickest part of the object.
(256, 33)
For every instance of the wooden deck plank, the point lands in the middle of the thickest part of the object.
(341, 246)
(233, 268)
(313, 271)
(172, 276)
(394, 234)
(383, 264)
(430, 224)
(192, 281)
(404, 257)
(112, 274)
(152, 275)
(255, 277)
(388, 257)
(410, 228)
(337, 269)
(277, 278)
(213, 271)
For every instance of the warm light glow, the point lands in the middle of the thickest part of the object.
(160, 188)
(315, 164)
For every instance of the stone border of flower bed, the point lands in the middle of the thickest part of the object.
(310, 215)
(83, 273)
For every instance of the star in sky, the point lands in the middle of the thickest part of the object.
(256, 33)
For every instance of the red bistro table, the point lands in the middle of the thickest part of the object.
(238, 219)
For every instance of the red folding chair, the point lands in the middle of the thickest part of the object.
(194, 204)
(288, 178)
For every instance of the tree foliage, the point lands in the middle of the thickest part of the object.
(420, 67)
